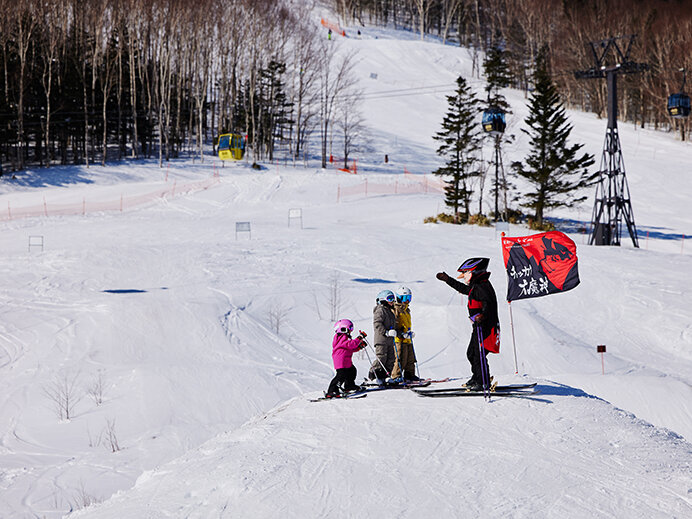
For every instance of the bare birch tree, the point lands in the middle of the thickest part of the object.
(26, 22)
(335, 78)
(350, 123)
(422, 7)
(63, 392)
(55, 25)
(304, 93)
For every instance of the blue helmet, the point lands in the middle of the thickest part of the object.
(386, 295)
(403, 294)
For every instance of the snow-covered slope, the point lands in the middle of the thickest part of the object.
(207, 344)
(398, 455)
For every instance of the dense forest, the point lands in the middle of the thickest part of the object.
(84, 82)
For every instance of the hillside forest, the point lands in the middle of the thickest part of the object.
(90, 82)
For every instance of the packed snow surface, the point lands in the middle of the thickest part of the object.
(190, 350)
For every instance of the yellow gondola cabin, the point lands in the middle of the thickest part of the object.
(231, 146)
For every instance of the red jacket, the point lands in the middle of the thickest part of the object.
(482, 300)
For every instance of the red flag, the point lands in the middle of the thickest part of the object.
(539, 265)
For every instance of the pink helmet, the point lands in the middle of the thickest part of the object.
(343, 326)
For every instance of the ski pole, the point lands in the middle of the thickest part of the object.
(414, 356)
(483, 362)
(365, 349)
(375, 353)
(378, 360)
(480, 357)
(367, 355)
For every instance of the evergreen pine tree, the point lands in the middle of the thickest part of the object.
(274, 116)
(497, 76)
(552, 166)
(460, 142)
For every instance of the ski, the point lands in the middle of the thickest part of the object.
(359, 394)
(397, 385)
(518, 393)
(438, 380)
(508, 387)
(418, 383)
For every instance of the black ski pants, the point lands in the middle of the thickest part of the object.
(478, 363)
(345, 378)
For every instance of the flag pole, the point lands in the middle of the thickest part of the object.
(511, 320)
(514, 344)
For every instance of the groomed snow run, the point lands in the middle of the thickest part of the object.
(191, 351)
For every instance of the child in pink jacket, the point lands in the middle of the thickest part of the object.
(343, 348)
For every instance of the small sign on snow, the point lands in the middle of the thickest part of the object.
(242, 227)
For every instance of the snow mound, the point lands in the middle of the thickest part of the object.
(561, 453)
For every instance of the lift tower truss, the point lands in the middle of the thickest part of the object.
(612, 205)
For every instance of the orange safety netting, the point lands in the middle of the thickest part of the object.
(85, 206)
(333, 26)
(411, 184)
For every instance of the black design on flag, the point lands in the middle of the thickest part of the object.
(539, 265)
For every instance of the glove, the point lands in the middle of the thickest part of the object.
(391, 333)
(409, 335)
(477, 318)
(442, 276)
(361, 333)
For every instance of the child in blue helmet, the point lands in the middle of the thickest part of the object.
(384, 324)
(405, 365)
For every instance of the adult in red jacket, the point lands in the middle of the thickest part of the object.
(482, 307)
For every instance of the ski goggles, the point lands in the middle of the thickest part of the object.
(405, 298)
(391, 298)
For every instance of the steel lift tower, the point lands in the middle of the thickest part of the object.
(612, 206)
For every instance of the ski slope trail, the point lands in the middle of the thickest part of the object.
(562, 453)
(194, 350)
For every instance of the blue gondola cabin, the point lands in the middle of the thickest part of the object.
(494, 121)
(231, 146)
(679, 105)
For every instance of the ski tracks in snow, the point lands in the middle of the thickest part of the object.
(581, 456)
